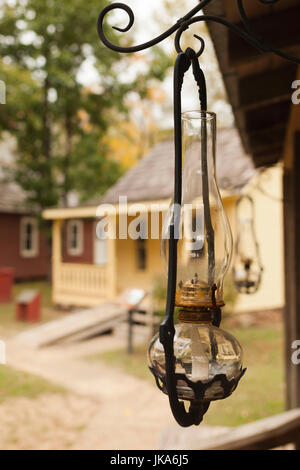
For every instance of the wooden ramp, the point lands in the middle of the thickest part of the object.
(75, 326)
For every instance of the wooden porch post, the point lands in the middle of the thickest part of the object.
(56, 257)
(112, 266)
(292, 273)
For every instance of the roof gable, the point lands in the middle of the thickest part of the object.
(152, 178)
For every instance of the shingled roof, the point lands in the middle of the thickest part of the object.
(12, 196)
(152, 177)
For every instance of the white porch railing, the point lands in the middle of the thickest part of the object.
(84, 284)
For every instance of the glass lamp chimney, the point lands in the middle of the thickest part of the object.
(202, 350)
(205, 240)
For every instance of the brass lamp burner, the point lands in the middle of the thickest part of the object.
(196, 293)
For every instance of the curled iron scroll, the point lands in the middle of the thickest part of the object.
(248, 33)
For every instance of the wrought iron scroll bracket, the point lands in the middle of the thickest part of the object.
(248, 33)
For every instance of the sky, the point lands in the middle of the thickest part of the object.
(145, 27)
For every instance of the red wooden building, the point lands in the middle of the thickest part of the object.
(23, 244)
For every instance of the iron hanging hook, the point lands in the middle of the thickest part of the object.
(183, 28)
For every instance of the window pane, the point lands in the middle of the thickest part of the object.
(74, 236)
(28, 236)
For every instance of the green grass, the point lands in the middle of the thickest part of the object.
(261, 391)
(8, 322)
(133, 364)
(16, 384)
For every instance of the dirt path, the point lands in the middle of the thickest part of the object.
(48, 422)
(127, 413)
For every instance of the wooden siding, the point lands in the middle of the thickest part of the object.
(25, 268)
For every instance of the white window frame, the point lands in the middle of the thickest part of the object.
(33, 252)
(78, 250)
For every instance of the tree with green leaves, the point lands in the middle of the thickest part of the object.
(57, 119)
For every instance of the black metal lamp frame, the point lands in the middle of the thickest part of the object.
(185, 60)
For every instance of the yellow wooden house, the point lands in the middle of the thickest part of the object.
(88, 271)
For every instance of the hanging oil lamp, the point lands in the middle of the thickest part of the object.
(207, 361)
(247, 269)
(195, 361)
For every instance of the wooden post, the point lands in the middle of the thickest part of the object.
(56, 257)
(130, 332)
(292, 274)
(112, 266)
